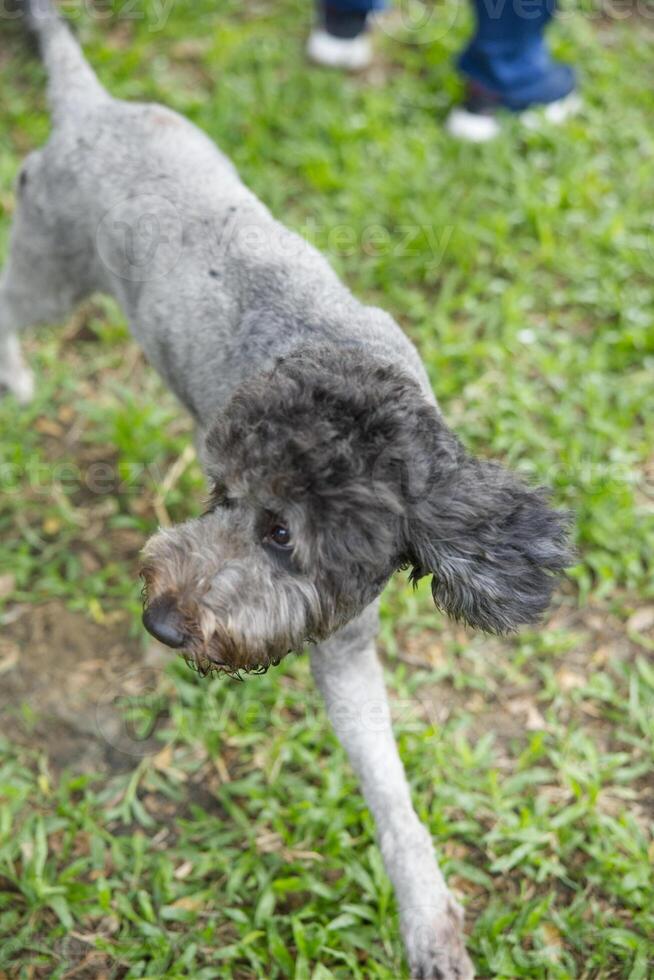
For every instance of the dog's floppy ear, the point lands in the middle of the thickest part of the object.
(493, 545)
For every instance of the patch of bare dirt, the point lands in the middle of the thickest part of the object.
(65, 683)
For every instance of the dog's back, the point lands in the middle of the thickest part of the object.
(149, 210)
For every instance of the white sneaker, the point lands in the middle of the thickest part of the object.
(472, 127)
(554, 112)
(348, 54)
(480, 127)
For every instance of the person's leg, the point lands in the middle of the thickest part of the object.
(507, 64)
(508, 54)
(340, 38)
(347, 6)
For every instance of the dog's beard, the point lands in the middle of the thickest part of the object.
(239, 616)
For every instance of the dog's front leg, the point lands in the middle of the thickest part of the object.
(349, 676)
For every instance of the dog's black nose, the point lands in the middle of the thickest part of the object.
(163, 619)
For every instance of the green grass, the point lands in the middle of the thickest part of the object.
(238, 846)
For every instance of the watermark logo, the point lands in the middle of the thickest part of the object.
(420, 22)
(131, 710)
(154, 13)
(140, 238)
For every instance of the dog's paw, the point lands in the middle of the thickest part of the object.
(435, 943)
(20, 385)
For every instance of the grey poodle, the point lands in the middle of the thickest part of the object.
(329, 463)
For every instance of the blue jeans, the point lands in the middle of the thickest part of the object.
(507, 54)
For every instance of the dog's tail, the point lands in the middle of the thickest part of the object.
(72, 82)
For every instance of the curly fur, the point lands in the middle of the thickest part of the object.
(352, 456)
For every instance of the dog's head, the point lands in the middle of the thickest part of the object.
(329, 473)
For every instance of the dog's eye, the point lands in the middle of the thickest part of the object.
(280, 536)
